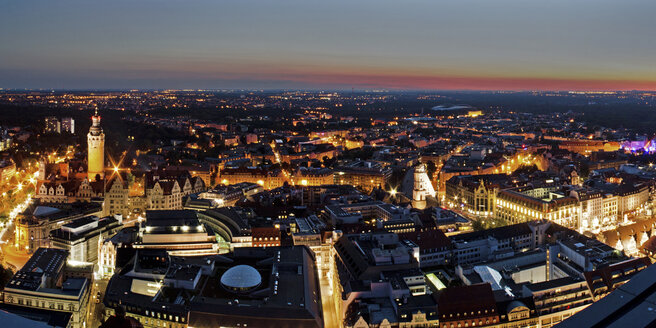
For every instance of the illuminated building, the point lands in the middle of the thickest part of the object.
(364, 175)
(6, 141)
(203, 172)
(522, 205)
(313, 176)
(265, 178)
(68, 191)
(81, 236)
(164, 194)
(116, 197)
(311, 232)
(140, 288)
(586, 147)
(249, 287)
(33, 227)
(155, 190)
(474, 113)
(475, 194)
(41, 284)
(631, 196)
(646, 145)
(598, 209)
(96, 152)
(422, 187)
(52, 125)
(631, 238)
(230, 226)
(485, 245)
(265, 236)
(556, 300)
(379, 213)
(177, 231)
(68, 125)
(251, 138)
(109, 249)
(353, 144)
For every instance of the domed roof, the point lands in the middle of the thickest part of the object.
(515, 305)
(241, 277)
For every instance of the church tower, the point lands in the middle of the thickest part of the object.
(423, 187)
(42, 169)
(96, 154)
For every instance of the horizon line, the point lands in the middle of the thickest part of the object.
(367, 90)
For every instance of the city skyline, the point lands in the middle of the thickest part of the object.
(472, 45)
(327, 164)
(466, 215)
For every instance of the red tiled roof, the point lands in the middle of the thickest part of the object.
(465, 300)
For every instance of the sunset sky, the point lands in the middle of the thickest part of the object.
(306, 44)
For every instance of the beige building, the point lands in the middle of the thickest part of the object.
(523, 205)
(41, 284)
(312, 176)
(584, 210)
(262, 177)
(33, 227)
(155, 190)
(68, 191)
(362, 174)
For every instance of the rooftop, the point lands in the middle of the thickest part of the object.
(44, 262)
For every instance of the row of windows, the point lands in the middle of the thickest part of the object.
(43, 304)
(265, 238)
(473, 323)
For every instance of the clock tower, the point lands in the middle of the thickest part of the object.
(96, 154)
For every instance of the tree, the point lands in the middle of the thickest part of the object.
(526, 169)
(430, 168)
(5, 275)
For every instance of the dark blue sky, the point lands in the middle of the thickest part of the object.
(461, 44)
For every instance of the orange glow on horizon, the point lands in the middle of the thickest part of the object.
(472, 83)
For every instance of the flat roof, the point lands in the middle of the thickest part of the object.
(45, 261)
(170, 218)
(81, 221)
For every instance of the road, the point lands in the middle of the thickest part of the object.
(14, 197)
(330, 315)
(10, 255)
(13, 258)
(95, 311)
